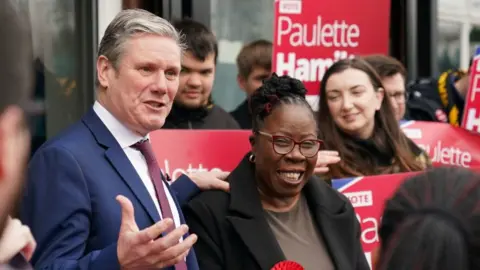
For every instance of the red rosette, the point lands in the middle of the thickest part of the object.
(287, 265)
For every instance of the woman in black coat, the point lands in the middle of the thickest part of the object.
(276, 210)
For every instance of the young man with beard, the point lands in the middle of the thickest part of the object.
(193, 107)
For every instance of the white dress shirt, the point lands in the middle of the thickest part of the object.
(126, 138)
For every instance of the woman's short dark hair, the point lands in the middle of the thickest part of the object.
(387, 134)
(433, 222)
(274, 91)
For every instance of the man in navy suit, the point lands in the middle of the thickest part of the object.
(77, 180)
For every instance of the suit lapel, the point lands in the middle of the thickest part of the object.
(247, 217)
(124, 167)
(336, 226)
(120, 162)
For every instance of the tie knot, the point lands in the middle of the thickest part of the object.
(140, 144)
(145, 148)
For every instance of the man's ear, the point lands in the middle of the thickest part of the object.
(103, 67)
(241, 82)
(380, 96)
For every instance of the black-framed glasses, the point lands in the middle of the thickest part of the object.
(283, 145)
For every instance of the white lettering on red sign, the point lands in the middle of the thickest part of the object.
(306, 69)
(369, 229)
(290, 7)
(334, 34)
(473, 119)
(360, 198)
(475, 87)
(177, 172)
(448, 155)
(337, 34)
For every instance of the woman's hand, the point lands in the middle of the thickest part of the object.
(324, 159)
(16, 238)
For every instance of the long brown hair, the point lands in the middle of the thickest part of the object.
(386, 134)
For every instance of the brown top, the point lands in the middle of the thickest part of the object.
(299, 238)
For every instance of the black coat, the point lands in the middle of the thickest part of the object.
(210, 117)
(234, 234)
(242, 115)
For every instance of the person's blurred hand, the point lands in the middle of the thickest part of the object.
(14, 153)
(16, 238)
(14, 146)
(210, 180)
(324, 159)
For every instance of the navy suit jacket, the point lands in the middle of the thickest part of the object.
(69, 201)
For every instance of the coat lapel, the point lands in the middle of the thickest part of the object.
(247, 217)
(116, 156)
(335, 223)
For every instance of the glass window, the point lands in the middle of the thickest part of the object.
(474, 38)
(448, 46)
(235, 23)
(60, 36)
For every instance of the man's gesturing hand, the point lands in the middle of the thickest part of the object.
(145, 249)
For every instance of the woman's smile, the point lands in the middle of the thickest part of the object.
(291, 177)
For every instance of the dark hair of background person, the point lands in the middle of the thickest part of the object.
(255, 54)
(274, 92)
(386, 66)
(432, 222)
(387, 134)
(199, 40)
(16, 54)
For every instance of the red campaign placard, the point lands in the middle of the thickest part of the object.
(181, 151)
(310, 35)
(445, 144)
(185, 151)
(368, 195)
(471, 115)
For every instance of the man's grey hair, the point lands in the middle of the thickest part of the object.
(131, 22)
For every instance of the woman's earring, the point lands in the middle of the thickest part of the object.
(251, 158)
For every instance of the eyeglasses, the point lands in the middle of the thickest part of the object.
(283, 145)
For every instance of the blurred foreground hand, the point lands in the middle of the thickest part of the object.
(16, 238)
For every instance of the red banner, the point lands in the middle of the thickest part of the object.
(310, 35)
(181, 151)
(368, 195)
(471, 115)
(185, 151)
(445, 144)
